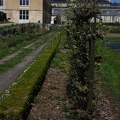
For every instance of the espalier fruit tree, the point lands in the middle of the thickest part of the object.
(84, 27)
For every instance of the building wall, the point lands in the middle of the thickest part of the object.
(35, 10)
(47, 11)
(58, 11)
(110, 13)
(112, 19)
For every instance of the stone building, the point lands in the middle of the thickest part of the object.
(58, 8)
(110, 11)
(25, 11)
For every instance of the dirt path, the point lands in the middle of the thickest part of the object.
(107, 107)
(8, 77)
(2, 61)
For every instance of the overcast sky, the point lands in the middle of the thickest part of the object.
(118, 1)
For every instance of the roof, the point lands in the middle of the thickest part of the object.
(115, 4)
(102, 1)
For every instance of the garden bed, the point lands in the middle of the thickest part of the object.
(52, 102)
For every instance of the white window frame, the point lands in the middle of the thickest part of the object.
(24, 2)
(107, 12)
(56, 11)
(118, 12)
(24, 14)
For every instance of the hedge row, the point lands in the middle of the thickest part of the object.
(112, 24)
(20, 28)
(15, 104)
(24, 37)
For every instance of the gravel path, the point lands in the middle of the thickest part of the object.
(2, 61)
(8, 77)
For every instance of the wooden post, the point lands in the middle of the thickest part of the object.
(91, 68)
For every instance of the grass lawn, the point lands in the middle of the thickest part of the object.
(61, 59)
(115, 39)
(110, 69)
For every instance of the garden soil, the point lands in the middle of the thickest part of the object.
(52, 103)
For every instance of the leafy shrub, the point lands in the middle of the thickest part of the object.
(19, 39)
(81, 37)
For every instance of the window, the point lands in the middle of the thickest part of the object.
(24, 15)
(1, 2)
(56, 11)
(24, 2)
(118, 12)
(107, 12)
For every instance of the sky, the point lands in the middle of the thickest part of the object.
(117, 1)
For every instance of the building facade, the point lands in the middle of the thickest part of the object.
(58, 8)
(25, 11)
(110, 12)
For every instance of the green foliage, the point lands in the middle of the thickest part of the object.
(80, 33)
(109, 70)
(53, 88)
(112, 24)
(58, 19)
(15, 103)
(113, 27)
(21, 29)
(114, 39)
(61, 58)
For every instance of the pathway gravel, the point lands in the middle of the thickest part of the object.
(3, 60)
(9, 77)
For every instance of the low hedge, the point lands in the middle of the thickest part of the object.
(15, 104)
(24, 37)
(112, 24)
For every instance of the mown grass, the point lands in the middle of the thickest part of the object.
(17, 59)
(110, 69)
(6, 50)
(110, 39)
(60, 61)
